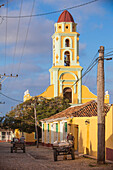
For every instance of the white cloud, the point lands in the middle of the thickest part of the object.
(82, 46)
(97, 26)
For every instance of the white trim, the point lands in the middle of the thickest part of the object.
(61, 84)
(42, 134)
(57, 119)
(79, 86)
(55, 122)
(71, 27)
(52, 133)
(63, 27)
(61, 130)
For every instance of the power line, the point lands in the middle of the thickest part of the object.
(26, 35)
(108, 55)
(52, 12)
(109, 49)
(11, 98)
(91, 64)
(109, 52)
(17, 32)
(90, 67)
(5, 3)
(87, 71)
(6, 37)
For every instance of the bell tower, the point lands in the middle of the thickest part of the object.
(66, 69)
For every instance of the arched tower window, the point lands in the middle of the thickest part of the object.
(67, 43)
(67, 58)
(67, 93)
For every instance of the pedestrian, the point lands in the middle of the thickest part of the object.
(71, 139)
(22, 139)
(67, 136)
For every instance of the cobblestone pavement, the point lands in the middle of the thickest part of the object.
(42, 159)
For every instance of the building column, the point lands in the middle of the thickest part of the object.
(79, 87)
(55, 82)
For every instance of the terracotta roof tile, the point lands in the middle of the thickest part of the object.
(84, 110)
(65, 16)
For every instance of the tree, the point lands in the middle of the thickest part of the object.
(22, 116)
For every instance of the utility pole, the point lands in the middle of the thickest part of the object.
(4, 77)
(100, 107)
(36, 130)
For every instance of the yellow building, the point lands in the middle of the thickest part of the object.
(81, 121)
(30, 138)
(66, 69)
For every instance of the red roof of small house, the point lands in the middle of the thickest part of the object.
(84, 110)
(65, 16)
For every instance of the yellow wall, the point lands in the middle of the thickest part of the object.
(87, 132)
(109, 129)
(87, 95)
(73, 41)
(49, 93)
(27, 97)
(29, 137)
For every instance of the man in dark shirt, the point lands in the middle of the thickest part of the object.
(71, 138)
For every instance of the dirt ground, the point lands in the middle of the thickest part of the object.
(42, 159)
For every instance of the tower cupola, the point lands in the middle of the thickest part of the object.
(65, 17)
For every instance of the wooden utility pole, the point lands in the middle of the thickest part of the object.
(36, 130)
(100, 107)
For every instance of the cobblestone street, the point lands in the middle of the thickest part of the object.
(42, 159)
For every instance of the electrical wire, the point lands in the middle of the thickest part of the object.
(53, 12)
(26, 36)
(87, 71)
(17, 32)
(11, 98)
(90, 67)
(6, 37)
(109, 49)
(5, 3)
(108, 55)
(91, 64)
(94, 63)
(109, 52)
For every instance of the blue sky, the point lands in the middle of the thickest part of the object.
(94, 23)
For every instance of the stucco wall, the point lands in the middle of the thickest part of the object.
(88, 132)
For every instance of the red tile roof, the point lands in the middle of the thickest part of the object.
(65, 16)
(84, 110)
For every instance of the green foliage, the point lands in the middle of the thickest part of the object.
(22, 117)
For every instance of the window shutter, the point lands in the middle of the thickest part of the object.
(65, 126)
(48, 127)
(43, 127)
(57, 127)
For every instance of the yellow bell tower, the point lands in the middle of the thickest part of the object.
(66, 69)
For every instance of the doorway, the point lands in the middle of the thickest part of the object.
(67, 93)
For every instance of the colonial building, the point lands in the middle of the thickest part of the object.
(66, 81)
(81, 121)
(6, 135)
(66, 72)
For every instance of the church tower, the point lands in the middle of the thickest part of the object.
(66, 69)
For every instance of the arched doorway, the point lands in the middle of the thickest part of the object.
(67, 93)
